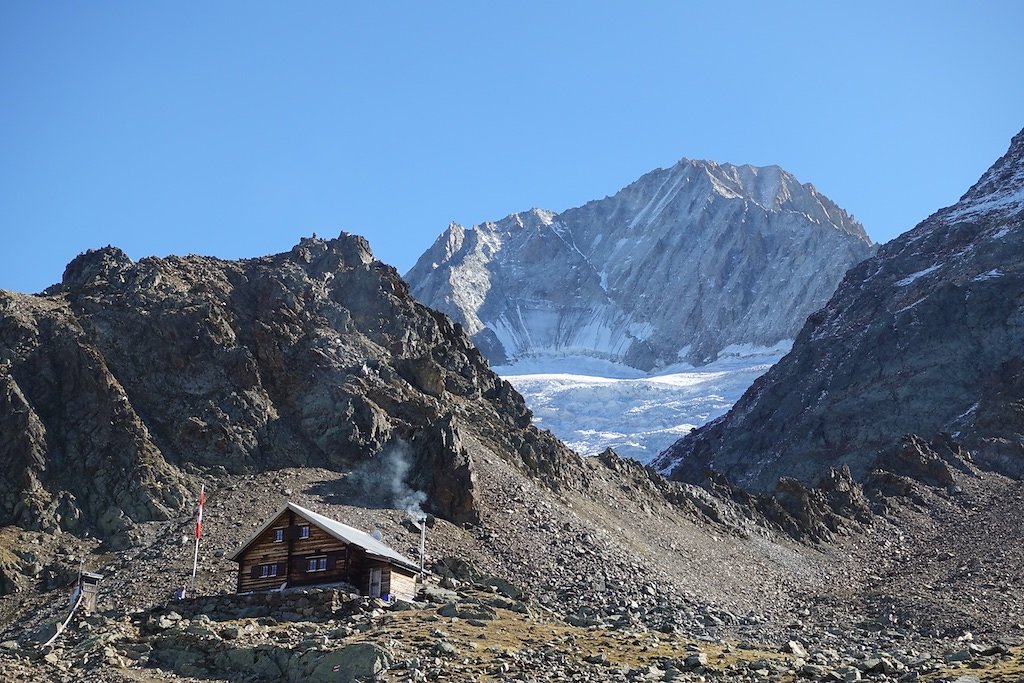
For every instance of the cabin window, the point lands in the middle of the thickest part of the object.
(268, 571)
(278, 535)
(304, 531)
(316, 564)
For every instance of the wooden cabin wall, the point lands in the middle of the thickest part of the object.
(264, 550)
(290, 556)
(395, 581)
(403, 584)
(319, 543)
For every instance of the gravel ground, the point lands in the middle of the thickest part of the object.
(931, 577)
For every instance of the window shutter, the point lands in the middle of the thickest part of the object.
(332, 560)
(255, 573)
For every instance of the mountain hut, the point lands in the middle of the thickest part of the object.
(299, 547)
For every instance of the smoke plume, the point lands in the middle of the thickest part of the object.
(381, 481)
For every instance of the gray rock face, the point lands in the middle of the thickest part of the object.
(356, 662)
(123, 375)
(676, 266)
(924, 338)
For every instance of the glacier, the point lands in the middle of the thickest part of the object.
(593, 404)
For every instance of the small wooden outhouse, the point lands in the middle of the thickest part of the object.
(299, 547)
(89, 585)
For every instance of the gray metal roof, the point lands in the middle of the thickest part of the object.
(342, 532)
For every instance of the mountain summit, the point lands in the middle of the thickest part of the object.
(679, 265)
(921, 343)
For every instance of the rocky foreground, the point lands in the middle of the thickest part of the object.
(461, 631)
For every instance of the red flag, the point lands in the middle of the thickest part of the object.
(199, 516)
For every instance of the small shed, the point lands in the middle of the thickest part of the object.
(298, 547)
(89, 584)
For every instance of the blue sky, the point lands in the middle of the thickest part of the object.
(234, 128)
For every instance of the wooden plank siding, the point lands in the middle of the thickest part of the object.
(403, 584)
(291, 554)
(286, 561)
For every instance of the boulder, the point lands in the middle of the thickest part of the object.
(359, 661)
(795, 648)
(467, 611)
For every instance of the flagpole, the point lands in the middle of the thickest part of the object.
(199, 526)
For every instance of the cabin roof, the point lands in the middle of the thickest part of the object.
(342, 532)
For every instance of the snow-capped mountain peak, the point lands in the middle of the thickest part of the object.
(676, 266)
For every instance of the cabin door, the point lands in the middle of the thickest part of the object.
(375, 575)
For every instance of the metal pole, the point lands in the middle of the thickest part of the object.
(199, 532)
(195, 565)
(423, 540)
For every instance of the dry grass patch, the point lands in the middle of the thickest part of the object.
(481, 649)
(1006, 669)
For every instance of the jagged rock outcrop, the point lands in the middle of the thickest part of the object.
(677, 266)
(121, 381)
(914, 458)
(837, 506)
(926, 338)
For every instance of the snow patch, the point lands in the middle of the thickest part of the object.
(568, 365)
(641, 330)
(910, 306)
(988, 275)
(919, 274)
(966, 413)
(780, 349)
(998, 202)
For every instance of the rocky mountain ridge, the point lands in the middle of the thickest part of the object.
(679, 265)
(914, 364)
(126, 380)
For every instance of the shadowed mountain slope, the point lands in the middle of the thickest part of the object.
(925, 338)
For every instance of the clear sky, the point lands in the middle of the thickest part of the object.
(234, 128)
